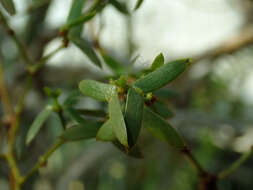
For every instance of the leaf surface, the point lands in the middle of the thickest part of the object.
(38, 123)
(162, 129)
(117, 120)
(75, 12)
(161, 76)
(133, 115)
(97, 90)
(81, 132)
(87, 49)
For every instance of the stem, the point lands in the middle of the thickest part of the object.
(16, 119)
(201, 172)
(35, 68)
(18, 43)
(4, 92)
(42, 160)
(14, 171)
(235, 165)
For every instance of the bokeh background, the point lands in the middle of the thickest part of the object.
(212, 101)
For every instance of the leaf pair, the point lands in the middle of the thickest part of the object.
(123, 128)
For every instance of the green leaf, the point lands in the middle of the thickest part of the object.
(121, 7)
(105, 133)
(78, 21)
(97, 90)
(113, 64)
(138, 4)
(162, 76)
(37, 123)
(93, 113)
(72, 98)
(117, 120)
(158, 62)
(87, 50)
(166, 93)
(8, 6)
(134, 152)
(74, 114)
(161, 129)
(81, 132)
(133, 115)
(75, 12)
(161, 109)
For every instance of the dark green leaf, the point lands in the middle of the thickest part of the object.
(133, 115)
(87, 50)
(161, 109)
(97, 90)
(37, 123)
(105, 133)
(162, 129)
(78, 21)
(117, 120)
(8, 6)
(166, 93)
(138, 4)
(81, 132)
(134, 152)
(75, 12)
(162, 76)
(74, 114)
(113, 64)
(158, 62)
(121, 7)
(93, 113)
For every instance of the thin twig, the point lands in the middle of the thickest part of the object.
(199, 169)
(4, 92)
(235, 165)
(42, 160)
(11, 33)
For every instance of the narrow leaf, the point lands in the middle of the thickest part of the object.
(161, 129)
(87, 50)
(133, 115)
(74, 114)
(117, 120)
(161, 109)
(105, 133)
(97, 90)
(8, 6)
(158, 62)
(166, 93)
(113, 64)
(138, 4)
(162, 76)
(93, 113)
(121, 7)
(75, 12)
(37, 123)
(81, 132)
(78, 21)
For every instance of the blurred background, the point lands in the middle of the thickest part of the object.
(212, 101)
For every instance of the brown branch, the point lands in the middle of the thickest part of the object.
(243, 39)
(4, 94)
